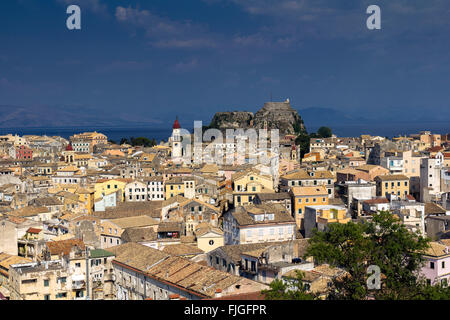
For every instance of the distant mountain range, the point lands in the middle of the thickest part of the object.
(330, 116)
(65, 116)
(379, 121)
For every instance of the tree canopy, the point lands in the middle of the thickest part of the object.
(140, 141)
(289, 289)
(324, 132)
(383, 242)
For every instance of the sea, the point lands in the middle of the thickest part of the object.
(113, 133)
(162, 134)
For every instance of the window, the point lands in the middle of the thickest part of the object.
(431, 265)
(443, 264)
(78, 265)
(46, 282)
(217, 260)
(47, 297)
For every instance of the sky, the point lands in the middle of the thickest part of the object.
(153, 60)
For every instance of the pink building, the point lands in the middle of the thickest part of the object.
(437, 264)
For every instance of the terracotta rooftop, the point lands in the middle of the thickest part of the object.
(64, 246)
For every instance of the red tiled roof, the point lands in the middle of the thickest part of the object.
(34, 230)
(64, 246)
(435, 149)
(377, 200)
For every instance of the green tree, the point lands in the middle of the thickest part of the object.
(291, 289)
(383, 242)
(140, 141)
(324, 132)
(124, 141)
(302, 140)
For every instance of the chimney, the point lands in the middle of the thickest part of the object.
(446, 250)
(218, 293)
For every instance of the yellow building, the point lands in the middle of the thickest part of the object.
(85, 195)
(396, 184)
(246, 184)
(321, 216)
(184, 186)
(305, 178)
(46, 280)
(82, 160)
(209, 239)
(107, 186)
(307, 196)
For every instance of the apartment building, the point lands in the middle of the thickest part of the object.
(258, 223)
(306, 196)
(397, 184)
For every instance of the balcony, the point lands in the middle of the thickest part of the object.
(78, 284)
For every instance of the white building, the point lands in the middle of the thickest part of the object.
(258, 223)
(430, 178)
(135, 191)
(155, 188)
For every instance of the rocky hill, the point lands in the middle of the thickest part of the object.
(273, 115)
(231, 120)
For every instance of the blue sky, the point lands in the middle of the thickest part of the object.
(152, 60)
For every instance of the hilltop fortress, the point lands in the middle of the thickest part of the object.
(273, 115)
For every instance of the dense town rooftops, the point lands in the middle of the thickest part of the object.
(182, 249)
(139, 235)
(28, 211)
(434, 208)
(243, 215)
(437, 249)
(63, 247)
(392, 177)
(134, 222)
(309, 191)
(273, 196)
(376, 201)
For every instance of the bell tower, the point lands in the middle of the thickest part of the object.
(177, 150)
